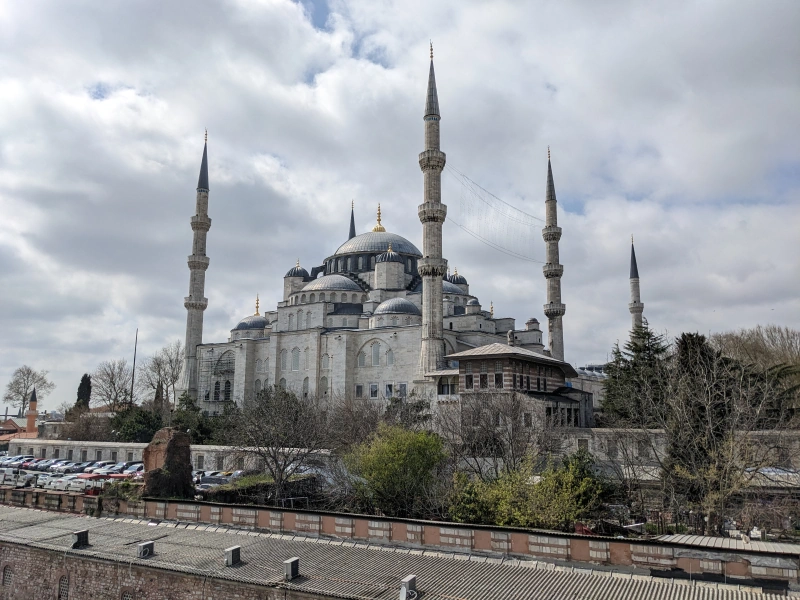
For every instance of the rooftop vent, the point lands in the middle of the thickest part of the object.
(80, 538)
(145, 549)
(408, 588)
(233, 556)
(291, 568)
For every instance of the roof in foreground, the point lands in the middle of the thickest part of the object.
(498, 349)
(335, 568)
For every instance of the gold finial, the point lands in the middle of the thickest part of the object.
(455, 271)
(431, 49)
(631, 238)
(257, 314)
(491, 308)
(352, 204)
(379, 227)
(390, 247)
(297, 264)
(548, 152)
(206, 135)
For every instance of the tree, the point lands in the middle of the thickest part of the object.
(189, 417)
(278, 428)
(84, 391)
(164, 368)
(111, 385)
(135, 424)
(354, 420)
(399, 468)
(22, 384)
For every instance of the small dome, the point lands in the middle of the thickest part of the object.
(252, 322)
(447, 288)
(389, 256)
(332, 282)
(397, 305)
(473, 302)
(297, 271)
(457, 279)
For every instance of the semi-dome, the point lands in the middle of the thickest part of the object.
(332, 282)
(447, 288)
(378, 241)
(297, 271)
(473, 302)
(252, 322)
(397, 306)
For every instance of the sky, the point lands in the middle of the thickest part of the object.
(675, 122)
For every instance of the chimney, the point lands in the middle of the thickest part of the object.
(32, 413)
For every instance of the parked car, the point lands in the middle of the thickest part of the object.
(65, 465)
(43, 464)
(30, 464)
(100, 464)
(43, 478)
(8, 459)
(135, 468)
(17, 463)
(77, 467)
(54, 465)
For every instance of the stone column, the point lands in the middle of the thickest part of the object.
(553, 270)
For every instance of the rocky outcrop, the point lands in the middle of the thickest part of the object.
(168, 465)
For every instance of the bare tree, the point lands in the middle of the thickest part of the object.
(762, 346)
(111, 384)
(172, 356)
(352, 420)
(491, 433)
(279, 429)
(23, 381)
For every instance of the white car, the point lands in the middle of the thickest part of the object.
(60, 483)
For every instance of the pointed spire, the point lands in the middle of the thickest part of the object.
(32, 399)
(634, 267)
(202, 181)
(491, 308)
(432, 100)
(257, 302)
(379, 227)
(551, 187)
(352, 219)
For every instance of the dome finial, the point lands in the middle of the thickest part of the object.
(379, 227)
(352, 204)
(297, 264)
(257, 313)
(206, 140)
(455, 271)
(631, 238)
(390, 247)
(491, 308)
(431, 49)
(548, 152)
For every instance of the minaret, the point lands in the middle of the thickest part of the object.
(352, 219)
(432, 267)
(196, 302)
(554, 310)
(636, 307)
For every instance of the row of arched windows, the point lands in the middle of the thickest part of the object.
(262, 366)
(342, 297)
(375, 356)
(295, 359)
(227, 391)
(359, 263)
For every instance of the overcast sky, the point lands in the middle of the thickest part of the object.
(677, 122)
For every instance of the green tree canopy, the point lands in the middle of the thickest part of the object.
(84, 392)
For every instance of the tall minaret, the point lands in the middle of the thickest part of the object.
(432, 267)
(553, 270)
(196, 302)
(352, 219)
(636, 307)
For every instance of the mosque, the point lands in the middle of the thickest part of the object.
(379, 318)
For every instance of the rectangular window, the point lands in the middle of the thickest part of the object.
(373, 390)
(359, 391)
(514, 381)
(544, 384)
(528, 382)
(56, 452)
(130, 456)
(84, 455)
(69, 454)
(642, 449)
(583, 444)
(220, 463)
(498, 380)
(98, 455)
(468, 383)
(389, 390)
(402, 389)
(548, 413)
(483, 367)
(240, 463)
(498, 366)
(114, 456)
(496, 419)
(484, 381)
(468, 368)
(200, 461)
(44, 452)
(528, 419)
(611, 449)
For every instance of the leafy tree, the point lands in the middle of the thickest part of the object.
(23, 382)
(400, 469)
(84, 391)
(136, 424)
(189, 417)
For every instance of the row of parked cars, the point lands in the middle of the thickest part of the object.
(53, 465)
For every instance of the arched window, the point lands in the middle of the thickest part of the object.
(313, 298)
(258, 385)
(451, 324)
(394, 321)
(322, 296)
(258, 365)
(296, 359)
(372, 262)
(63, 588)
(308, 320)
(389, 358)
(283, 360)
(291, 322)
(8, 577)
(333, 296)
(355, 299)
(376, 354)
(305, 387)
(360, 262)
(282, 383)
(326, 362)
(266, 366)
(362, 359)
(363, 298)
(299, 319)
(306, 354)
(303, 299)
(408, 265)
(344, 322)
(323, 386)
(228, 391)
(408, 320)
(216, 392)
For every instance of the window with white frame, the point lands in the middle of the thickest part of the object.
(373, 390)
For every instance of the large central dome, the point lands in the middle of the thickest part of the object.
(378, 241)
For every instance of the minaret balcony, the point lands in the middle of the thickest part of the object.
(193, 303)
(432, 212)
(551, 233)
(198, 263)
(551, 270)
(201, 223)
(636, 308)
(432, 267)
(553, 310)
(432, 160)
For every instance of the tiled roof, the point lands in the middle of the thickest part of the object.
(731, 544)
(340, 569)
(498, 349)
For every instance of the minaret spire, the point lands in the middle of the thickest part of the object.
(196, 302)
(432, 213)
(352, 219)
(636, 306)
(553, 270)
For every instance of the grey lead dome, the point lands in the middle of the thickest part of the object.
(333, 282)
(397, 306)
(378, 241)
(252, 322)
